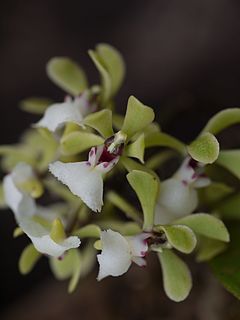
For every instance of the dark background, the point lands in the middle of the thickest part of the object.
(183, 59)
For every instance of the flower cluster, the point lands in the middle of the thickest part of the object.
(81, 152)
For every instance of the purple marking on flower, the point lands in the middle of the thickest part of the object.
(143, 253)
(105, 164)
(193, 164)
(88, 163)
(185, 183)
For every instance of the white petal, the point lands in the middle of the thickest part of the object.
(185, 172)
(57, 210)
(22, 172)
(19, 202)
(201, 182)
(60, 113)
(138, 244)
(83, 181)
(115, 258)
(141, 262)
(177, 198)
(42, 241)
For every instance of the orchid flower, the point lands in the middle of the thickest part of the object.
(71, 110)
(118, 253)
(178, 195)
(47, 238)
(85, 178)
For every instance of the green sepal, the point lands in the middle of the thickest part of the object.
(179, 237)
(79, 141)
(204, 149)
(14, 154)
(17, 232)
(177, 280)
(230, 160)
(33, 187)
(28, 259)
(209, 249)
(35, 105)
(229, 209)
(57, 233)
(160, 139)
(222, 120)
(146, 187)
(213, 193)
(124, 206)
(137, 148)
(117, 121)
(206, 225)
(111, 67)
(101, 121)
(138, 116)
(68, 267)
(67, 74)
(88, 231)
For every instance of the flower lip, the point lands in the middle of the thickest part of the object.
(108, 156)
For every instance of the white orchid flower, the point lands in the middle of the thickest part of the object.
(178, 196)
(71, 110)
(118, 253)
(31, 219)
(85, 179)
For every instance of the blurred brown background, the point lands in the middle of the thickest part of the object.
(183, 59)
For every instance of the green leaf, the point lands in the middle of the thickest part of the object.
(206, 225)
(137, 148)
(79, 141)
(226, 266)
(209, 248)
(180, 237)
(160, 139)
(230, 160)
(101, 121)
(204, 149)
(177, 279)
(68, 267)
(88, 231)
(138, 116)
(67, 74)
(123, 205)
(111, 67)
(28, 259)
(222, 120)
(35, 105)
(146, 187)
